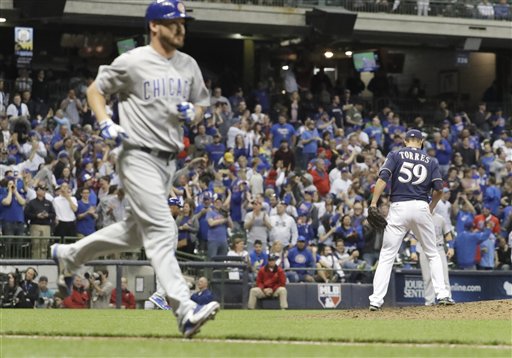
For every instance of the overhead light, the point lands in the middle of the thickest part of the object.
(328, 54)
(285, 68)
(237, 36)
(3, 19)
(348, 53)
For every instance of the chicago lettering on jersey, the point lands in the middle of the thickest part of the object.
(414, 156)
(166, 87)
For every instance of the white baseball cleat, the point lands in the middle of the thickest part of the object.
(195, 319)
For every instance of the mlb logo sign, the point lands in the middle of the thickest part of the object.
(329, 295)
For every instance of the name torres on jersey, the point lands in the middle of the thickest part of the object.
(414, 156)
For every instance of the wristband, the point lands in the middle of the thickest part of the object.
(413, 249)
(451, 244)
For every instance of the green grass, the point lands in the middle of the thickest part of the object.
(146, 327)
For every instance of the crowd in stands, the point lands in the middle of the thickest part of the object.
(289, 176)
(481, 9)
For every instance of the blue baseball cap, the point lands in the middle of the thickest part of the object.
(301, 238)
(413, 133)
(174, 202)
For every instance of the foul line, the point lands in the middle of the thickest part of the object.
(265, 341)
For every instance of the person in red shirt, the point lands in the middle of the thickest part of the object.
(270, 282)
(127, 297)
(79, 297)
(321, 178)
(480, 220)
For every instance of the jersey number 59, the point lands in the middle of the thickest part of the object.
(412, 173)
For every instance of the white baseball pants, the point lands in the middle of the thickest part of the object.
(146, 180)
(429, 293)
(403, 216)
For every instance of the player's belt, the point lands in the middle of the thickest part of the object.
(162, 154)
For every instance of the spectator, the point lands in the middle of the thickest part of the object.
(485, 10)
(284, 227)
(86, 215)
(270, 282)
(218, 222)
(285, 155)
(443, 153)
(40, 214)
(78, 297)
(238, 250)
(72, 107)
(218, 97)
(258, 256)
(299, 257)
(45, 294)
(202, 139)
(215, 150)
(329, 269)
(65, 207)
(30, 289)
(480, 221)
(503, 255)
(502, 10)
(348, 259)
(17, 109)
(466, 245)
(258, 224)
(13, 217)
(101, 289)
(463, 211)
(35, 152)
(280, 132)
(127, 297)
(13, 296)
(188, 226)
(203, 295)
(320, 178)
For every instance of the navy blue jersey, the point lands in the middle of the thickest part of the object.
(412, 172)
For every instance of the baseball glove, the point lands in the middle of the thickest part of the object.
(375, 219)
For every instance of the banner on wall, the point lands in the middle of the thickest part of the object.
(466, 286)
(23, 45)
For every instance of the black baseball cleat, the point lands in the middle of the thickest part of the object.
(446, 301)
(374, 308)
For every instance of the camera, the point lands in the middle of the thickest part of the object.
(45, 302)
(94, 275)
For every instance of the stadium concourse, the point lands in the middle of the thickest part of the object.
(290, 166)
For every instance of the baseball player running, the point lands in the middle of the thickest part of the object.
(159, 87)
(413, 174)
(443, 233)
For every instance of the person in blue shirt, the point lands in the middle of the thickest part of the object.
(310, 139)
(492, 196)
(218, 222)
(258, 256)
(463, 211)
(200, 214)
(203, 296)
(466, 244)
(215, 150)
(300, 257)
(282, 131)
(487, 249)
(86, 215)
(443, 153)
(13, 202)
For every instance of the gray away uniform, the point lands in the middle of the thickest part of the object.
(149, 87)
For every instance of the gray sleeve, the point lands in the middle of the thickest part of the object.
(199, 94)
(114, 78)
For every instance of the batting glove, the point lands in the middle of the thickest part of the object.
(110, 130)
(187, 111)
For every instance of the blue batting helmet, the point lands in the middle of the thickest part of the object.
(166, 10)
